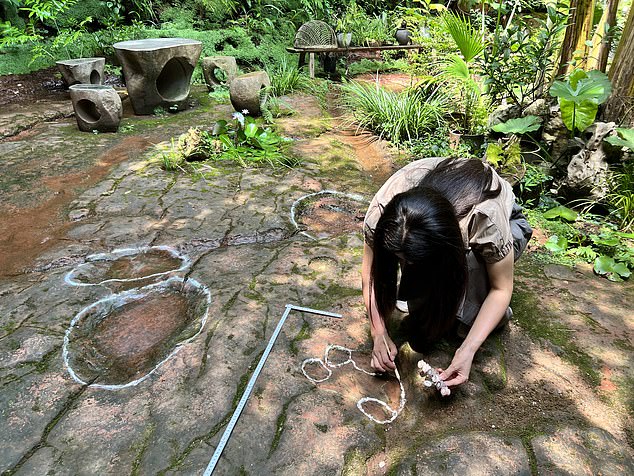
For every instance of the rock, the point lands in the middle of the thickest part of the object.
(158, 71)
(588, 169)
(503, 113)
(82, 70)
(215, 66)
(97, 108)
(538, 108)
(560, 272)
(482, 453)
(245, 91)
(79, 214)
(582, 451)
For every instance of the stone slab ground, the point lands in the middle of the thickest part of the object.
(551, 394)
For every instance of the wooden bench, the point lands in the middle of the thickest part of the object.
(343, 51)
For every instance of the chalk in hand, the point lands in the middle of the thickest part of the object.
(431, 378)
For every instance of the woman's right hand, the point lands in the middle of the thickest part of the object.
(382, 356)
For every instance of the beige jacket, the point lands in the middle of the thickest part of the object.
(485, 229)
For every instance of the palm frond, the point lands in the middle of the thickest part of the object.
(467, 38)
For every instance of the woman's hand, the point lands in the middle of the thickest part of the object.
(382, 356)
(458, 372)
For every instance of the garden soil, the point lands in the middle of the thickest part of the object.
(549, 394)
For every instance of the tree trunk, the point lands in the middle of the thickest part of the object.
(602, 39)
(620, 105)
(577, 33)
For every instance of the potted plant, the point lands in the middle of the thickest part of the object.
(344, 33)
(517, 62)
(471, 118)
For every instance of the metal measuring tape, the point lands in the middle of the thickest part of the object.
(249, 388)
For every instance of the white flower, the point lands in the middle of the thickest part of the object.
(245, 111)
(239, 117)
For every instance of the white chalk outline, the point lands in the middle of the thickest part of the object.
(327, 364)
(351, 196)
(118, 253)
(126, 297)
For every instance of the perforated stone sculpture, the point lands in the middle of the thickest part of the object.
(246, 92)
(82, 70)
(97, 107)
(158, 71)
(219, 70)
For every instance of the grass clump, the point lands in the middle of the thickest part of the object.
(398, 117)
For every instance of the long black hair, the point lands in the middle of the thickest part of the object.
(419, 230)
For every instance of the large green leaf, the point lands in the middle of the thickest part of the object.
(561, 212)
(521, 125)
(592, 86)
(607, 266)
(556, 244)
(578, 116)
(626, 138)
(457, 68)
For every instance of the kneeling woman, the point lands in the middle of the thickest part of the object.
(441, 237)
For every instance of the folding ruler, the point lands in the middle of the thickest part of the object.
(249, 388)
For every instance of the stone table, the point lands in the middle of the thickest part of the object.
(158, 71)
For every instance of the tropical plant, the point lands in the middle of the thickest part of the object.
(624, 138)
(457, 68)
(399, 117)
(518, 59)
(246, 142)
(533, 184)
(520, 125)
(620, 198)
(610, 250)
(580, 96)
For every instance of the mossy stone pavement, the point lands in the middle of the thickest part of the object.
(550, 394)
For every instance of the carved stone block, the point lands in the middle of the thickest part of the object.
(158, 71)
(219, 70)
(97, 107)
(82, 70)
(246, 92)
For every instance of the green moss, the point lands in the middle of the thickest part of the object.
(353, 463)
(229, 304)
(334, 294)
(541, 324)
(140, 447)
(623, 345)
(303, 334)
(526, 436)
(279, 427)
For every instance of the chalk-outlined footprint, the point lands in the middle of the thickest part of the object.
(327, 364)
(100, 269)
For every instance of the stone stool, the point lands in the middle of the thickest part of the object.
(97, 107)
(82, 70)
(226, 64)
(158, 71)
(245, 91)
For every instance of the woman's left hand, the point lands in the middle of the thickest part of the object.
(458, 372)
